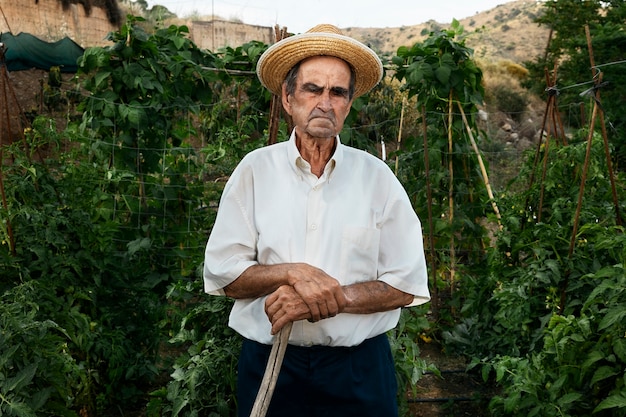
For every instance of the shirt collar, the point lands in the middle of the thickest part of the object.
(294, 154)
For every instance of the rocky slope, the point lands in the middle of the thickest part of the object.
(506, 32)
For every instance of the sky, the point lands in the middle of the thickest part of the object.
(300, 15)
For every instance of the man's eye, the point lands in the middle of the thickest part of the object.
(312, 88)
(339, 92)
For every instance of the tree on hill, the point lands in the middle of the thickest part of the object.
(569, 49)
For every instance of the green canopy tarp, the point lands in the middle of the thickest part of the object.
(26, 51)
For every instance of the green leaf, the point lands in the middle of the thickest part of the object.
(456, 25)
(179, 404)
(500, 372)
(577, 337)
(443, 74)
(20, 409)
(136, 115)
(569, 398)
(614, 401)
(22, 379)
(102, 79)
(613, 316)
(39, 399)
(592, 358)
(619, 347)
(179, 42)
(139, 244)
(601, 373)
(485, 371)
(403, 51)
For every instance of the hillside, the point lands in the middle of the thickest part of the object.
(506, 32)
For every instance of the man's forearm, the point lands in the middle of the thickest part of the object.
(373, 297)
(360, 298)
(258, 281)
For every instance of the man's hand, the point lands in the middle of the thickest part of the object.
(311, 294)
(285, 306)
(319, 291)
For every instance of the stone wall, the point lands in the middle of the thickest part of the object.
(216, 34)
(47, 20)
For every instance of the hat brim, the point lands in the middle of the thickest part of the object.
(278, 59)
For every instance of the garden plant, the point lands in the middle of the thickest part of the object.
(103, 225)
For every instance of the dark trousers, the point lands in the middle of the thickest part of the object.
(323, 381)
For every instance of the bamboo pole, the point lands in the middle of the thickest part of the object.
(451, 195)
(544, 170)
(549, 103)
(550, 112)
(483, 170)
(9, 229)
(597, 112)
(400, 131)
(583, 179)
(607, 151)
(5, 127)
(431, 226)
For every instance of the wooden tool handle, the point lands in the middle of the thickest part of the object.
(268, 383)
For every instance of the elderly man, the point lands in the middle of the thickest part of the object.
(321, 235)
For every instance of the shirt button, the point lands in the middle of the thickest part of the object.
(313, 226)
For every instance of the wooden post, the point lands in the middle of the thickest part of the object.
(275, 102)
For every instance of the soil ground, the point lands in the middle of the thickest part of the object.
(27, 86)
(27, 94)
(453, 393)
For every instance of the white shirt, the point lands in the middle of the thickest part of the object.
(355, 223)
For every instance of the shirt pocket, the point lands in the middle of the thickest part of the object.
(359, 254)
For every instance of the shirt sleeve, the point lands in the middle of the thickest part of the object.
(402, 263)
(231, 247)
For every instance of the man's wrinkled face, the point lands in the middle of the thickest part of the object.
(320, 103)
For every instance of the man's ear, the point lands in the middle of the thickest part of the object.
(285, 99)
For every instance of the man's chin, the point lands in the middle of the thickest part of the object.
(322, 131)
(322, 135)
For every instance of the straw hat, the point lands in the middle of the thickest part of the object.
(278, 59)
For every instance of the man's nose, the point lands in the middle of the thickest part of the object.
(323, 101)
